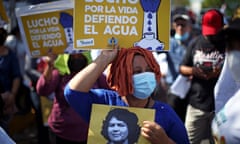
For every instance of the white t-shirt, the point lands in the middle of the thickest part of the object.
(226, 123)
(162, 61)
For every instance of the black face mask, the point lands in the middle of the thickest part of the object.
(77, 64)
(218, 41)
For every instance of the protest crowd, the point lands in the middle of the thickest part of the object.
(194, 86)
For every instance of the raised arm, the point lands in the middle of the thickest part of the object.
(85, 79)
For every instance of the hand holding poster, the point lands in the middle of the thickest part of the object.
(100, 23)
(47, 26)
(127, 121)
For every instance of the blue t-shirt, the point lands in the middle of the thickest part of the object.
(164, 116)
(9, 70)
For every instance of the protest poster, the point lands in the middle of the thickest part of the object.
(47, 27)
(3, 15)
(106, 119)
(99, 24)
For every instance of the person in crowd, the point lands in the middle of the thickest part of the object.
(170, 61)
(121, 127)
(132, 86)
(32, 74)
(226, 86)
(202, 63)
(66, 126)
(10, 78)
(178, 45)
(225, 125)
(15, 43)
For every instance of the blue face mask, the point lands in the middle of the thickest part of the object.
(183, 37)
(144, 84)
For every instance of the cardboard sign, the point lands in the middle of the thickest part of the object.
(3, 16)
(99, 24)
(46, 107)
(104, 117)
(47, 26)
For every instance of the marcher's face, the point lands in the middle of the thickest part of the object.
(140, 65)
(117, 130)
(181, 26)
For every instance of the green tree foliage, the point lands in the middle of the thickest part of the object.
(231, 5)
(180, 2)
(212, 3)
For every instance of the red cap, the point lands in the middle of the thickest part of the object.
(212, 22)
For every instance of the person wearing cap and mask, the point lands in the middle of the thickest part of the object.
(225, 125)
(202, 63)
(178, 45)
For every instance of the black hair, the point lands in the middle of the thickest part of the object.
(77, 63)
(128, 117)
(15, 30)
(3, 36)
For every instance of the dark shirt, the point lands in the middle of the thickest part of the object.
(9, 70)
(202, 53)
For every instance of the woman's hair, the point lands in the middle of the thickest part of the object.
(126, 116)
(121, 70)
(77, 62)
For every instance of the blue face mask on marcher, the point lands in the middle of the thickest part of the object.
(144, 84)
(183, 37)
